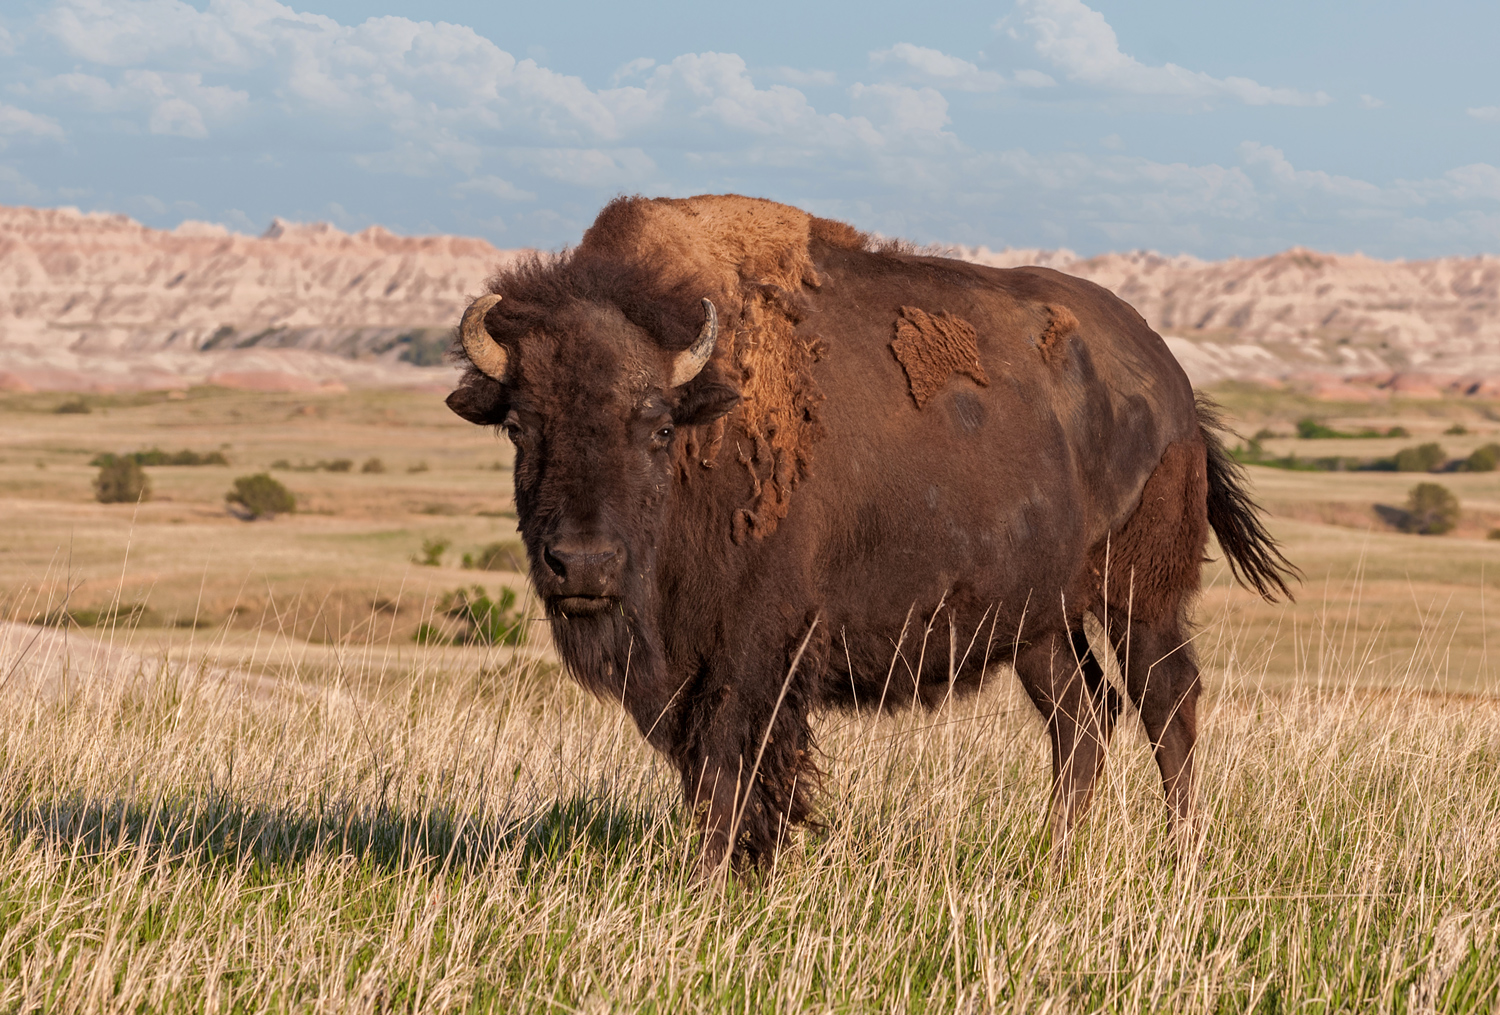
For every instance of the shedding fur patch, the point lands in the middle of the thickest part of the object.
(753, 257)
(1061, 323)
(931, 347)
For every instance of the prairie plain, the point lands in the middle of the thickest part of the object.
(232, 780)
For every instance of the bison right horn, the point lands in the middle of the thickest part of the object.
(691, 360)
(484, 352)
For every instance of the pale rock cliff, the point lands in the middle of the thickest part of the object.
(100, 301)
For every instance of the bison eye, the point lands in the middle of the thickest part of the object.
(663, 435)
(512, 426)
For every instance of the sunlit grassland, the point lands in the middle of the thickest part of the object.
(480, 835)
(293, 807)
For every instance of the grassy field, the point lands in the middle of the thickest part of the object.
(261, 795)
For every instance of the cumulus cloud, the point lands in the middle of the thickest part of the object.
(174, 103)
(1489, 114)
(1077, 41)
(439, 123)
(20, 121)
(937, 68)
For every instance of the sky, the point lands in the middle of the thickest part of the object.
(1184, 126)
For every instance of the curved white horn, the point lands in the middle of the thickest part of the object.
(484, 352)
(692, 359)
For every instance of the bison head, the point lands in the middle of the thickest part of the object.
(592, 395)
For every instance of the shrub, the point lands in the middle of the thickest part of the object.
(372, 465)
(281, 463)
(73, 405)
(482, 620)
(156, 456)
(1431, 509)
(419, 467)
(498, 557)
(432, 552)
(1483, 459)
(1398, 431)
(1311, 429)
(1422, 458)
(338, 465)
(1457, 429)
(122, 481)
(261, 496)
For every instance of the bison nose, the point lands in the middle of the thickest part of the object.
(585, 568)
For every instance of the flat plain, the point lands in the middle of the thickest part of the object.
(233, 781)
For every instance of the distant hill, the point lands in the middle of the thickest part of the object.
(100, 301)
(1340, 325)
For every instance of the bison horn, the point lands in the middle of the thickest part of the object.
(692, 359)
(484, 352)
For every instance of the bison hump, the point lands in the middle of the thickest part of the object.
(932, 347)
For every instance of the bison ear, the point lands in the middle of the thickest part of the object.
(480, 400)
(703, 403)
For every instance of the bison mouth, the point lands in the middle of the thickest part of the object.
(581, 606)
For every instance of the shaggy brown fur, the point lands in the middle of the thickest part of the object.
(933, 347)
(751, 258)
(926, 539)
(1060, 324)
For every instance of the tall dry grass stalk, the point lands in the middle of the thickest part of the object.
(479, 835)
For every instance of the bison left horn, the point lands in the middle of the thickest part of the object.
(484, 352)
(691, 360)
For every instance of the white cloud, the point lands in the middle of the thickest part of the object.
(632, 68)
(938, 68)
(175, 103)
(1077, 41)
(1034, 79)
(1370, 101)
(19, 121)
(494, 187)
(902, 108)
(1489, 114)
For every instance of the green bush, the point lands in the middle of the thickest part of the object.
(372, 465)
(1431, 509)
(1422, 458)
(482, 620)
(261, 496)
(509, 556)
(122, 481)
(1311, 429)
(1457, 429)
(156, 456)
(73, 405)
(1483, 459)
(432, 552)
(338, 465)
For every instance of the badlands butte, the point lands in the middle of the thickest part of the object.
(99, 302)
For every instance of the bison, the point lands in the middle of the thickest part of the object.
(761, 457)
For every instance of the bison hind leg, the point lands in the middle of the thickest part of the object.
(1151, 576)
(1067, 684)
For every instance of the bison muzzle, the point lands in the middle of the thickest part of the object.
(758, 454)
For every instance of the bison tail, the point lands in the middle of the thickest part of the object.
(1254, 557)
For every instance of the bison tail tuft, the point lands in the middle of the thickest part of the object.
(1254, 557)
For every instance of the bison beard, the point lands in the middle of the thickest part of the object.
(744, 503)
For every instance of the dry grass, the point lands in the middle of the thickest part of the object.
(236, 818)
(180, 839)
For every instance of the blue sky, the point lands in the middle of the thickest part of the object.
(1208, 128)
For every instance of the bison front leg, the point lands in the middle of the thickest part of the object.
(1066, 683)
(748, 778)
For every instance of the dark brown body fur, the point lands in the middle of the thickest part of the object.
(903, 549)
